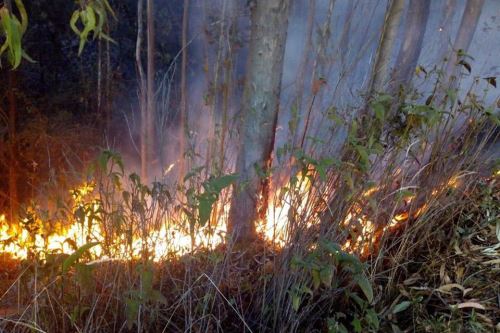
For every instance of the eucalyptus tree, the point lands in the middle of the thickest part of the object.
(463, 39)
(260, 104)
(411, 47)
(380, 70)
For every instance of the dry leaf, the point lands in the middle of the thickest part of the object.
(474, 305)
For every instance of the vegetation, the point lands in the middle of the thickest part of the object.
(379, 215)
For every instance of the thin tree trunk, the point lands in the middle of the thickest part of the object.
(445, 28)
(11, 98)
(151, 101)
(142, 87)
(184, 103)
(406, 62)
(466, 31)
(13, 193)
(260, 107)
(344, 39)
(99, 86)
(107, 87)
(305, 53)
(386, 44)
(228, 80)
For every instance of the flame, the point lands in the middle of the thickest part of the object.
(19, 242)
(292, 201)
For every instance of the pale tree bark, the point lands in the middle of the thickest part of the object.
(260, 106)
(445, 28)
(344, 39)
(151, 101)
(387, 39)
(306, 54)
(406, 62)
(470, 19)
(142, 88)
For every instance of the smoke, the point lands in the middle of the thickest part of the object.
(342, 51)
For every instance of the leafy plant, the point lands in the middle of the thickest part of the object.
(75, 256)
(13, 29)
(324, 265)
(92, 17)
(144, 295)
(213, 187)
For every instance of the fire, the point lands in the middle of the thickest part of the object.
(292, 201)
(19, 242)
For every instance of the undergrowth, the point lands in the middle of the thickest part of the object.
(397, 232)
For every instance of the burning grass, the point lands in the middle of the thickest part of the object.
(377, 240)
(446, 280)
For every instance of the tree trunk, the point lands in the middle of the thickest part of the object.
(13, 194)
(142, 88)
(306, 52)
(445, 28)
(259, 113)
(183, 135)
(468, 25)
(386, 44)
(406, 62)
(151, 106)
(11, 99)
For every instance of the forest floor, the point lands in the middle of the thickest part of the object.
(445, 281)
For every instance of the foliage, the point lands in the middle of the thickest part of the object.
(327, 265)
(93, 16)
(13, 29)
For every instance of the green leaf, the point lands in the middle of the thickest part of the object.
(330, 246)
(216, 185)
(379, 110)
(401, 307)
(326, 275)
(363, 282)
(24, 16)
(73, 21)
(356, 324)
(88, 18)
(213, 187)
(347, 258)
(205, 208)
(109, 9)
(73, 258)
(316, 277)
(295, 301)
(372, 319)
(132, 310)
(13, 34)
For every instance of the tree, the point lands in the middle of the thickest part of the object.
(147, 102)
(259, 113)
(386, 44)
(445, 28)
(406, 62)
(183, 135)
(151, 100)
(142, 87)
(466, 31)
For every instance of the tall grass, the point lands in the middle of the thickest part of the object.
(355, 222)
